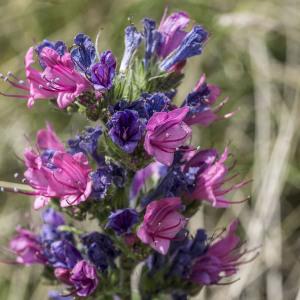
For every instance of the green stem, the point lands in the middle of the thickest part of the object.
(126, 267)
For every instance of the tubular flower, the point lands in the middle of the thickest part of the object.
(58, 79)
(221, 260)
(162, 222)
(165, 132)
(191, 45)
(172, 31)
(211, 177)
(56, 173)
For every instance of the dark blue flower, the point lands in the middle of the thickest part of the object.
(87, 142)
(100, 249)
(59, 46)
(122, 220)
(118, 174)
(103, 72)
(126, 129)
(185, 252)
(101, 179)
(152, 39)
(63, 254)
(83, 53)
(156, 102)
(190, 46)
(133, 40)
(137, 105)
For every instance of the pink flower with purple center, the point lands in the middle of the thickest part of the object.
(165, 132)
(162, 222)
(56, 173)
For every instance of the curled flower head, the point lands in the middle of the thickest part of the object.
(172, 32)
(165, 132)
(27, 247)
(190, 46)
(162, 222)
(133, 40)
(126, 129)
(221, 260)
(103, 72)
(83, 53)
(211, 177)
(122, 220)
(84, 278)
(56, 173)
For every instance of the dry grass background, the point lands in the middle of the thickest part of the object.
(253, 54)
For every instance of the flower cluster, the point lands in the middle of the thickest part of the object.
(136, 172)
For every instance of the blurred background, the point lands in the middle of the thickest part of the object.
(253, 54)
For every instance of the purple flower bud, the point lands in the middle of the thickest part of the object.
(59, 46)
(27, 247)
(51, 217)
(191, 45)
(103, 72)
(122, 220)
(126, 129)
(84, 278)
(133, 40)
(83, 53)
(152, 39)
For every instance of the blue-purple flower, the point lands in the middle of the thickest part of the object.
(133, 39)
(63, 254)
(122, 220)
(126, 129)
(103, 72)
(100, 249)
(83, 53)
(190, 46)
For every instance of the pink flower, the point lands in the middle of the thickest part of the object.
(27, 248)
(211, 177)
(55, 173)
(172, 31)
(58, 80)
(166, 132)
(162, 222)
(221, 260)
